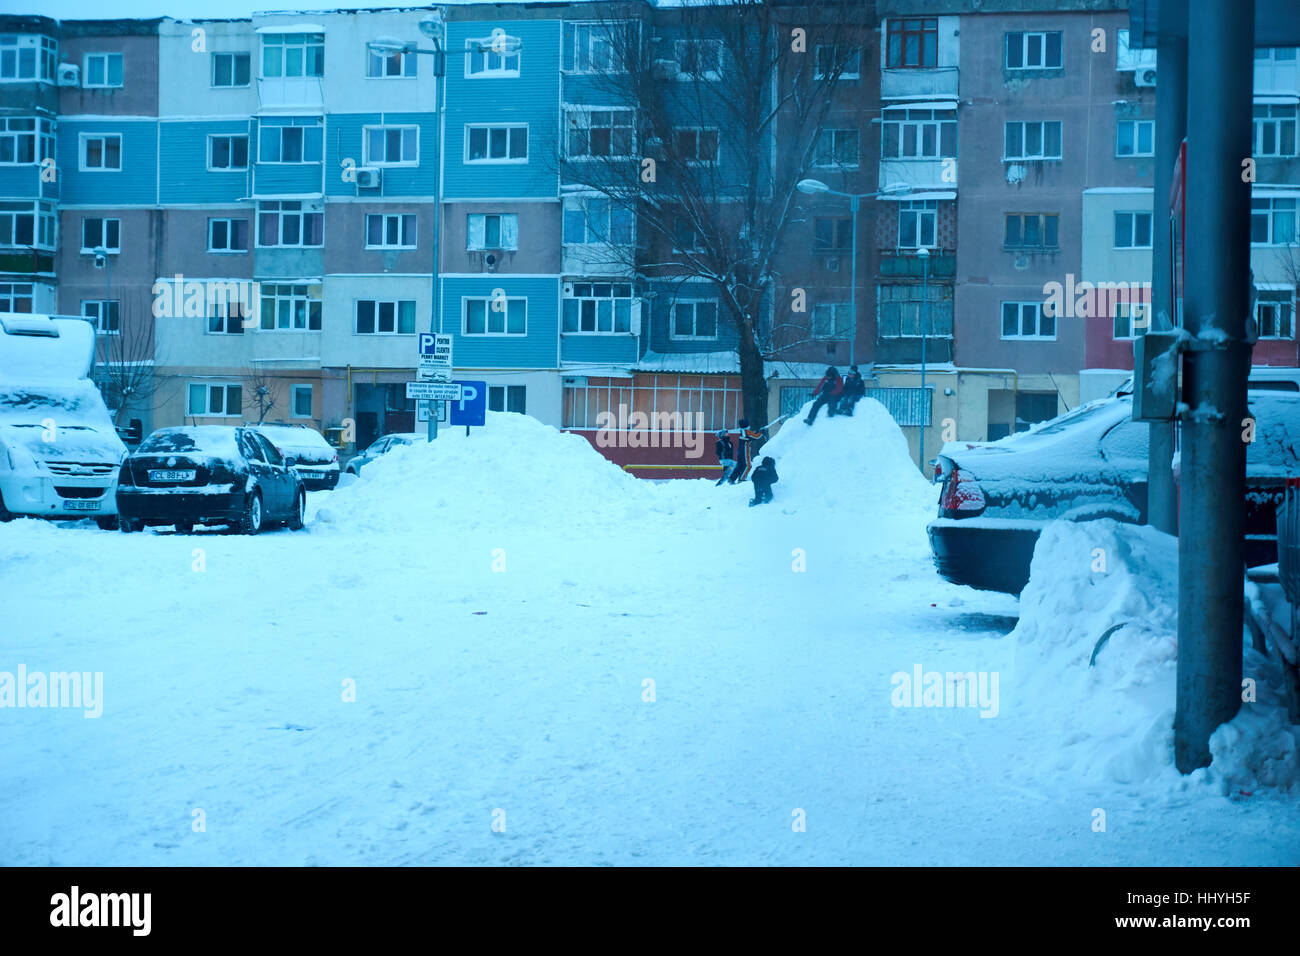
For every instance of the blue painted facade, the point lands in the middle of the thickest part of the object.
(537, 348)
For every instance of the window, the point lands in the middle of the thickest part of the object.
(27, 57)
(104, 314)
(390, 231)
(917, 223)
(102, 70)
(599, 132)
(597, 220)
(1274, 311)
(1272, 222)
(289, 140)
(686, 238)
(913, 43)
(1027, 320)
(225, 400)
(496, 315)
(292, 307)
(696, 145)
(1033, 140)
(699, 59)
(1130, 320)
(492, 231)
(497, 55)
(385, 317)
(300, 401)
(848, 60)
(27, 224)
(1273, 130)
(225, 315)
(1132, 230)
(1032, 230)
(227, 235)
(831, 320)
(694, 319)
(595, 47)
(1033, 51)
(507, 398)
(1135, 137)
(230, 69)
(96, 232)
(383, 65)
(918, 134)
(16, 296)
(286, 55)
(837, 148)
(101, 151)
(228, 152)
(287, 223)
(391, 146)
(903, 310)
(496, 144)
(598, 308)
(832, 235)
(25, 140)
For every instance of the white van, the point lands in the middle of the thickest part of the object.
(59, 451)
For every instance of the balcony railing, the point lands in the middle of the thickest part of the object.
(293, 92)
(923, 175)
(919, 83)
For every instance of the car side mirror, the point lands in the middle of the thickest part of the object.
(290, 462)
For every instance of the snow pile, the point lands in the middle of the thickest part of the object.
(513, 472)
(1115, 718)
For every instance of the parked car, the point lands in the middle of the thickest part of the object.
(381, 446)
(209, 474)
(1089, 463)
(59, 451)
(315, 459)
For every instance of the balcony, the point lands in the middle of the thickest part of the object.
(905, 263)
(291, 93)
(919, 84)
(595, 259)
(923, 175)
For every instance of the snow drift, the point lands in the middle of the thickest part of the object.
(1115, 717)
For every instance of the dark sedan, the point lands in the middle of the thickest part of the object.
(209, 474)
(1090, 463)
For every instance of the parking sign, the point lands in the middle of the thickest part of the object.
(471, 409)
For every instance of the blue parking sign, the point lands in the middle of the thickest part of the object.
(472, 407)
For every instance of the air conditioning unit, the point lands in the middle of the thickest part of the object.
(368, 178)
(831, 263)
(69, 74)
(1144, 77)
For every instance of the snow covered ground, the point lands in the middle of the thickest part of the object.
(555, 663)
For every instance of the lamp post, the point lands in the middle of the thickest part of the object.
(924, 255)
(103, 260)
(813, 187)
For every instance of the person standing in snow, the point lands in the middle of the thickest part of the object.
(827, 393)
(764, 478)
(854, 389)
(726, 456)
(748, 442)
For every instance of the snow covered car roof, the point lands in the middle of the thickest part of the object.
(213, 440)
(298, 440)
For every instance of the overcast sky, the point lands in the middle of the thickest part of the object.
(182, 9)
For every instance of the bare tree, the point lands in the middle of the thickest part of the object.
(729, 99)
(263, 386)
(125, 373)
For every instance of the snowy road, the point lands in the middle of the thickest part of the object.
(500, 670)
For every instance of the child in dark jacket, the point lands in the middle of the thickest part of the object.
(764, 478)
(726, 456)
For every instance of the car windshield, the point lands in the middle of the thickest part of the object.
(1075, 417)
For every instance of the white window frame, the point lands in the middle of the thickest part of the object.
(488, 160)
(694, 303)
(504, 391)
(103, 230)
(234, 59)
(1279, 124)
(679, 54)
(293, 296)
(920, 210)
(502, 231)
(385, 128)
(840, 314)
(41, 135)
(1025, 37)
(107, 57)
(213, 137)
(401, 218)
(898, 119)
(286, 41)
(45, 223)
(1288, 304)
(207, 400)
(1024, 217)
(11, 294)
(1042, 139)
(408, 63)
(481, 49)
(697, 131)
(44, 59)
(1020, 319)
(487, 307)
(1133, 215)
(83, 152)
(1271, 212)
(1129, 311)
(230, 231)
(1136, 127)
(277, 129)
(591, 28)
(294, 391)
(590, 296)
(226, 309)
(848, 74)
(301, 213)
(579, 118)
(834, 134)
(590, 232)
(397, 316)
(98, 319)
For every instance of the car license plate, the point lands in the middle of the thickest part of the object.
(81, 505)
(156, 475)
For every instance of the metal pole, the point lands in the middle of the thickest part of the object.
(435, 318)
(1211, 544)
(853, 279)
(925, 315)
(1171, 127)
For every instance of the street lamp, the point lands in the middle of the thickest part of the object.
(813, 187)
(104, 260)
(924, 255)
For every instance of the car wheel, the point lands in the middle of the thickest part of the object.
(184, 527)
(127, 525)
(251, 522)
(299, 512)
(107, 523)
(5, 513)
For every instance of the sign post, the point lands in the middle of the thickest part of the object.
(434, 366)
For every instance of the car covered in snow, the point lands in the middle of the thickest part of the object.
(381, 446)
(1089, 463)
(209, 474)
(59, 451)
(315, 459)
